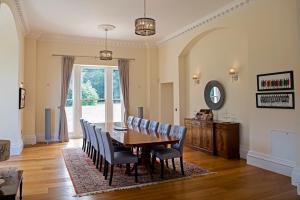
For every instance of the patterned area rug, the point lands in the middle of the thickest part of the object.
(87, 180)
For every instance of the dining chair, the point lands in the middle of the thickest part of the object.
(144, 124)
(83, 135)
(153, 126)
(94, 142)
(101, 153)
(130, 120)
(176, 150)
(88, 138)
(164, 129)
(136, 122)
(115, 158)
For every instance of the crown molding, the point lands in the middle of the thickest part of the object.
(224, 11)
(88, 40)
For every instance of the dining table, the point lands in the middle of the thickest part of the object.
(135, 137)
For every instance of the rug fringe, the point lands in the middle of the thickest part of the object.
(141, 185)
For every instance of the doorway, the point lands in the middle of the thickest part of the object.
(94, 95)
(167, 103)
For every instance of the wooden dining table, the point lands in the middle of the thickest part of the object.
(129, 136)
(134, 137)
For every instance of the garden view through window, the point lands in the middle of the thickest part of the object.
(95, 93)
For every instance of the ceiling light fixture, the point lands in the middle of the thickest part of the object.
(145, 26)
(106, 54)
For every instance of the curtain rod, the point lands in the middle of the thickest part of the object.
(96, 57)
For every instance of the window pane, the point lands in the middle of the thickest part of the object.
(117, 112)
(93, 94)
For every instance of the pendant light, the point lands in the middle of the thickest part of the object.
(106, 54)
(145, 26)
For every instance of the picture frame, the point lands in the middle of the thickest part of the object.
(275, 81)
(280, 100)
(22, 93)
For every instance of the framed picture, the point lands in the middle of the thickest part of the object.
(275, 81)
(284, 100)
(22, 93)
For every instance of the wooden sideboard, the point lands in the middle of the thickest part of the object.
(214, 137)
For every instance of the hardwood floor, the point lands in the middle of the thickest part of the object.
(46, 177)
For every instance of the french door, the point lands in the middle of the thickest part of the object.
(94, 95)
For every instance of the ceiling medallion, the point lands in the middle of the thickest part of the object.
(106, 54)
(145, 26)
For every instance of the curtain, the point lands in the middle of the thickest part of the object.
(123, 66)
(67, 67)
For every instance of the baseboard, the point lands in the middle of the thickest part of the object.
(41, 138)
(271, 163)
(29, 138)
(243, 152)
(296, 179)
(16, 148)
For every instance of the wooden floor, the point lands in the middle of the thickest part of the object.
(46, 177)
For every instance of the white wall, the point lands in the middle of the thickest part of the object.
(11, 67)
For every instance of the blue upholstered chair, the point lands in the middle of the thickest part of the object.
(130, 120)
(83, 135)
(144, 124)
(114, 158)
(88, 138)
(136, 122)
(101, 154)
(176, 150)
(164, 129)
(153, 126)
(94, 143)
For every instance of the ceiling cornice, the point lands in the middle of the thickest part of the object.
(17, 10)
(89, 40)
(228, 9)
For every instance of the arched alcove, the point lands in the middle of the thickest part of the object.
(210, 55)
(10, 126)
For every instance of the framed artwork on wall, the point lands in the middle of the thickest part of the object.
(283, 100)
(275, 81)
(22, 93)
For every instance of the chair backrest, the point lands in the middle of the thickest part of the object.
(93, 136)
(85, 124)
(153, 126)
(179, 132)
(136, 122)
(108, 147)
(100, 141)
(82, 129)
(164, 129)
(144, 124)
(130, 120)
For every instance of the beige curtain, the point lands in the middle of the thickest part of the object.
(67, 67)
(123, 66)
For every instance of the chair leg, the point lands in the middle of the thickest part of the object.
(136, 173)
(104, 167)
(181, 165)
(106, 170)
(153, 163)
(111, 174)
(101, 158)
(161, 169)
(167, 163)
(173, 163)
(97, 160)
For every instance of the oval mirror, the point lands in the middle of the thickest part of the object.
(214, 95)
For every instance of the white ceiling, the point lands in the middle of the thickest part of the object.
(81, 17)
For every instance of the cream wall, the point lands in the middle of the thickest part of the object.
(11, 75)
(261, 38)
(45, 78)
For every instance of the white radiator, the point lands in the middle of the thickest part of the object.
(283, 145)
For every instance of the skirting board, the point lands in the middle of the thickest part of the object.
(296, 179)
(270, 163)
(29, 138)
(243, 152)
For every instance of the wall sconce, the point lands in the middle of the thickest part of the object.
(234, 74)
(196, 78)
